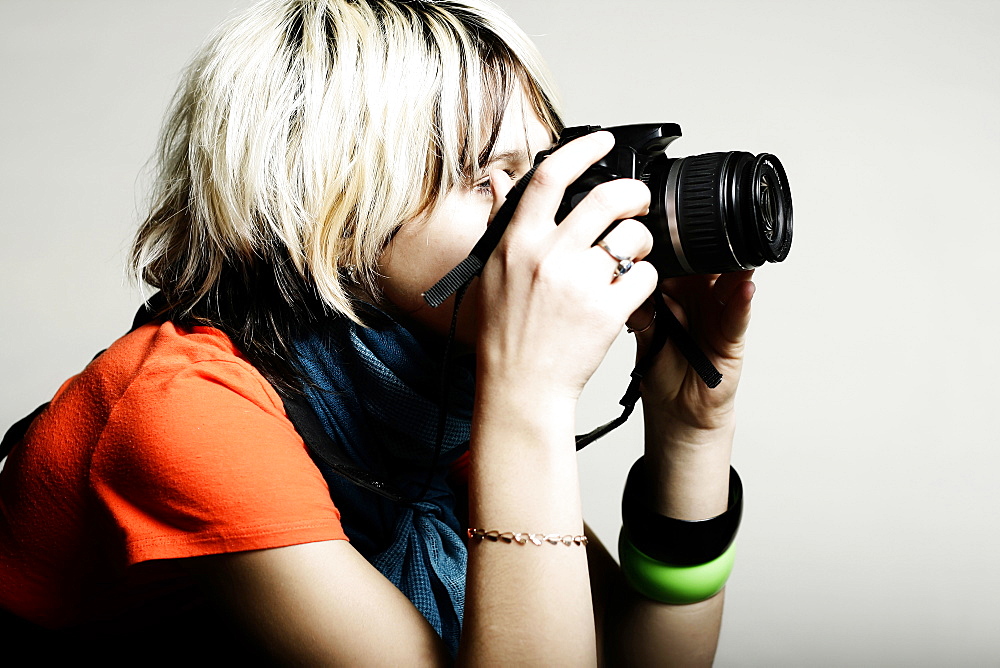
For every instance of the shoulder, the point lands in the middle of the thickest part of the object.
(165, 352)
(172, 389)
(197, 453)
(176, 376)
(156, 372)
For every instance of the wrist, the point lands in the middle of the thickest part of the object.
(524, 410)
(695, 426)
(688, 468)
(672, 445)
(670, 434)
(520, 440)
(523, 471)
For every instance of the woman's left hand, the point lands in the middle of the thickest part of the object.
(715, 309)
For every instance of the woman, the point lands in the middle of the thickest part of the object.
(325, 162)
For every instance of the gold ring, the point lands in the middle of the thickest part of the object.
(629, 330)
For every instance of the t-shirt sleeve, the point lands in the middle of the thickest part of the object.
(202, 460)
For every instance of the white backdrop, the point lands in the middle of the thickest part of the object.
(867, 441)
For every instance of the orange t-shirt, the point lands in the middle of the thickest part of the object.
(168, 445)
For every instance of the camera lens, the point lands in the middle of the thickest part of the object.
(718, 212)
(772, 206)
(768, 209)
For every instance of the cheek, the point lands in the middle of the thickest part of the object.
(424, 251)
(401, 273)
(413, 264)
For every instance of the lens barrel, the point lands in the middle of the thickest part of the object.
(717, 212)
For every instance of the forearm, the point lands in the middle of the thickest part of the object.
(689, 473)
(644, 632)
(526, 603)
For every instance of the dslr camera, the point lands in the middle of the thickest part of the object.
(709, 214)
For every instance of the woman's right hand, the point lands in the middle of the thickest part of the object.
(549, 307)
(549, 304)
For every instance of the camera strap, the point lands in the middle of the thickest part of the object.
(632, 393)
(472, 266)
(668, 327)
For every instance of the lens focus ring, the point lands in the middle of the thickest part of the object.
(701, 213)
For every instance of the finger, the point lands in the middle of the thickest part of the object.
(633, 289)
(697, 286)
(548, 184)
(642, 319)
(500, 184)
(726, 284)
(627, 242)
(608, 202)
(631, 236)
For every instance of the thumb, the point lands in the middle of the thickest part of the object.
(736, 312)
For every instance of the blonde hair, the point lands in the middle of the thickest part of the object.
(307, 131)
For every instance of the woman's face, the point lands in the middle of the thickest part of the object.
(424, 250)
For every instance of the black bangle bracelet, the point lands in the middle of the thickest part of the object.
(672, 541)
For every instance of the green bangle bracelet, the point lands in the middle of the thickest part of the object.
(678, 585)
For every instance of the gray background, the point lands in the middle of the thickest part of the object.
(867, 438)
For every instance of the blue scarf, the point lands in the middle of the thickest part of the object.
(376, 392)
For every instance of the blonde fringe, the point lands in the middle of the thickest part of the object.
(318, 127)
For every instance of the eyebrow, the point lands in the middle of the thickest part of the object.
(516, 156)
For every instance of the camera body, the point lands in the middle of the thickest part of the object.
(709, 214)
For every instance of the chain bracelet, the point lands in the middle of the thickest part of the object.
(522, 538)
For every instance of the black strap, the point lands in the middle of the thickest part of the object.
(305, 421)
(632, 393)
(668, 328)
(471, 266)
(686, 344)
(155, 307)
